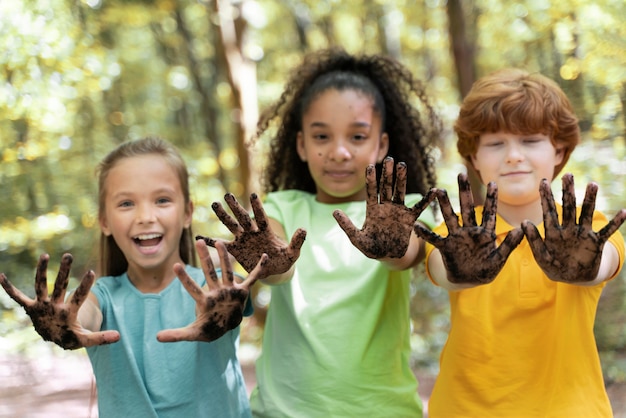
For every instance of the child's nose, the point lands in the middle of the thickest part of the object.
(514, 153)
(145, 214)
(340, 151)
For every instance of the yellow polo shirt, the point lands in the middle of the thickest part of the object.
(522, 346)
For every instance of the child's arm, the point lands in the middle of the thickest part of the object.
(53, 318)
(387, 233)
(254, 237)
(219, 304)
(469, 255)
(572, 252)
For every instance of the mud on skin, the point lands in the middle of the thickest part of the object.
(381, 237)
(50, 325)
(470, 252)
(281, 258)
(571, 251)
(219, 304)
(51, 317)
(254, 237)
(462, 259)
(388, 224)
(42, 316)
(390, 243)
(227, 317)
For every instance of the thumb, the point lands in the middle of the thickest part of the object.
(345, 223)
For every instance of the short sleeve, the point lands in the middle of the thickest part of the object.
(272, 207)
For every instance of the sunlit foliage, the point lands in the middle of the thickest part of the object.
(78, 77)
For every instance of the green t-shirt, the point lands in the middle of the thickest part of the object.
(336, 340)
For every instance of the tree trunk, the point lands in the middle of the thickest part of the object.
(463, 44)
(241, 74)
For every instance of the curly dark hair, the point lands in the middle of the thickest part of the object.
(391, 86)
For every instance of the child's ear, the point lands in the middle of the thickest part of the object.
(300, 146)
(188, 215)
(383, 147)
(560, 155)
(104, 226)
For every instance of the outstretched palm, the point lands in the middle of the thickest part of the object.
(219, 307)
(470, 252)
(54, 319)
(388, 222)
(570, 252)
(254, 237)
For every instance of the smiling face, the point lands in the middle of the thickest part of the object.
(341, 135)
(517, 164)
(145, 212)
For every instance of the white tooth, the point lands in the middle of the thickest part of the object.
(148, 236)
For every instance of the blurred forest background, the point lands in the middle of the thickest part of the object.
(78, 77)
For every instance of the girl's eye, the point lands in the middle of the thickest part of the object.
(163, 200)
(320, 137)
(126, 204)
(493, 144)
(359, 137)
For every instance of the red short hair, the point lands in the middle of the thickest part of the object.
(517, 102)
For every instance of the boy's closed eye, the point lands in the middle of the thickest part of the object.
(493, 143)
(533, 140)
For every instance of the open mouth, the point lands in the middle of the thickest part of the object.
(148, 240)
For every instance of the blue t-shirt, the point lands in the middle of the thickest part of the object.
(141, 377)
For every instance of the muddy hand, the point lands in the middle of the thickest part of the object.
(254, 237)
(570, 252)
(470, 252)
(219, 308)
(54, 319)
(388, 222)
